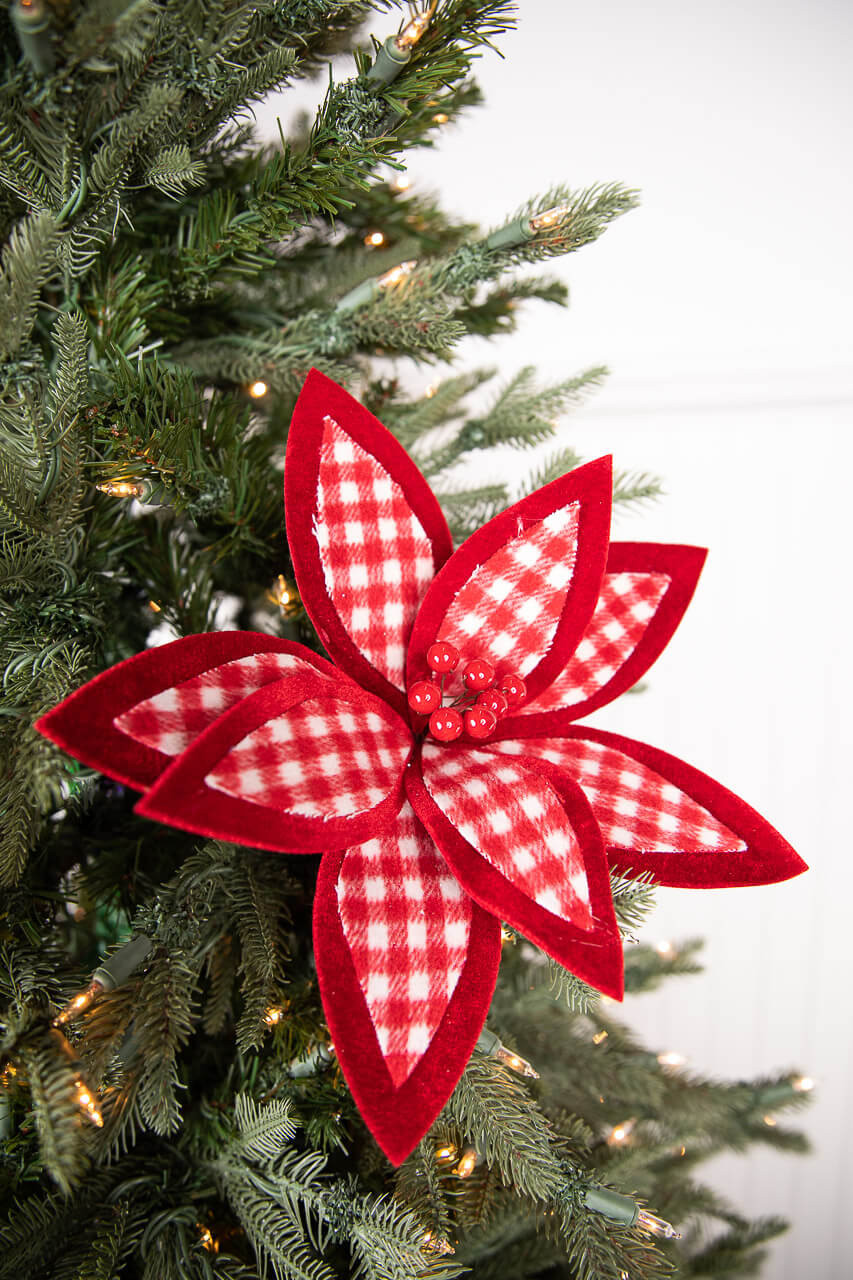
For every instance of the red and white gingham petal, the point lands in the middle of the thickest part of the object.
(514, 818)
(408, 925)
(521, 590)
(301, 765)
(172, 719)
(365, 531)
(626, 605)
(634, 806)
(644, 593)
(509, 609)
(320, 758)
(376, 556)
(131, 720)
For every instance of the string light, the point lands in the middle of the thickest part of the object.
(656, 1226)
(620, 1134)
(32, 22)
(802, 1084)
(395, 54)
(436, 1244)
(207, 1239)
(273, 1016)
(363, 292)
(770, 1121)
(664, 948)
(285, 594)
(154, 606)
(528, 225)
(507, 935)
(401, 182)
(374, 239)
(671, 1059)
(124, 488)
(440, 117)
(489, 1044)
(599, 1037)
(467, 1164)
(258, 389)
(446, 1153)
(87, 1104)
(114, 971)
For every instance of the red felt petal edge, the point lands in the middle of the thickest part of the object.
(182, 798)
(321, 397)
(682, 565)
(398, 1117)
(595, 955)
(767, 859)
(590, 486)
(83, 724)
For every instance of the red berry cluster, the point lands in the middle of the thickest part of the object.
(495, 695)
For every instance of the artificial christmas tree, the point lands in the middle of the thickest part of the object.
(166, 289)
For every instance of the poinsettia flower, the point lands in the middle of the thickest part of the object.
(429, 843)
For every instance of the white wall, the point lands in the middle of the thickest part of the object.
(723, 309)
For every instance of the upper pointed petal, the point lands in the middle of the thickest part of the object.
(366, 534)
(662, 816)
(406, 964)
(132, 720)
(524, 843)
(521, 590)
(302, 765)
(644, 593)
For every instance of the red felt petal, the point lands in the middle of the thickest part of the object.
(660, 815)
(483, 815)
(521, 590)
(130, 721)
(407, 965)
(365, 532)
(644, 593)
(301, 766)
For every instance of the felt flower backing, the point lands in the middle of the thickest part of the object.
(429, 843)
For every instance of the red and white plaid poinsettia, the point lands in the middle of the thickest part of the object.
(429, 843)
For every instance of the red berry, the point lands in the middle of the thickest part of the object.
(445, 724)
(424, 697)
(513, 688)
(478, 674)
(495, 701)
(480, 722)
(442, 657)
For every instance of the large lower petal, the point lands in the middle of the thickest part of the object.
(523, 842)
(662, 816)
(365, 532)
(132, 720)
(521, 590)
(644, 593)
(302, 765)
(407, 964)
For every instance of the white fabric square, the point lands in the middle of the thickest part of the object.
(377, 937)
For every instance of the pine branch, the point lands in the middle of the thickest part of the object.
(29, 257)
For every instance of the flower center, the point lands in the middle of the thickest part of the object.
(484, 698)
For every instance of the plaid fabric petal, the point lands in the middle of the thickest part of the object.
(376, 556)
(514, 818)
(635, 807)
(321, 758)
(509, 609)
(172, 719)
(408, 924)
(626, 606)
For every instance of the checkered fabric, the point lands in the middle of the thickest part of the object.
(626, 606)
(514, 818)
(407, 923)
(376, 557)
(509, 608)
(635, 807)
(323, 758)
(173, 719)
